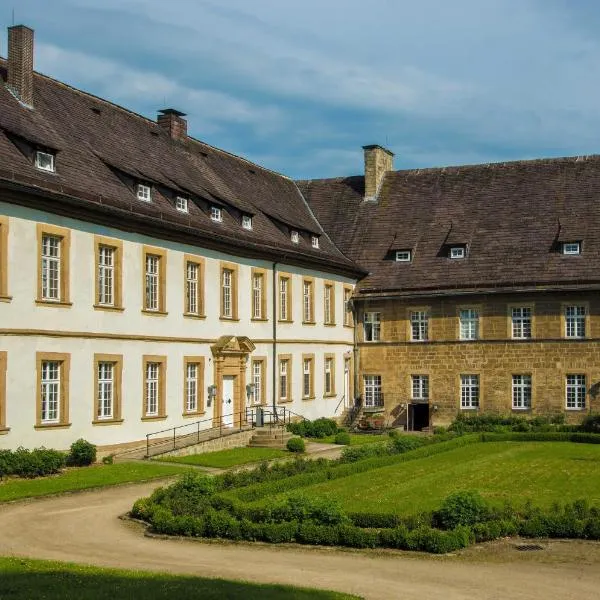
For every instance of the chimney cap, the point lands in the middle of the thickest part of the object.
(378, 147)
(171, 111)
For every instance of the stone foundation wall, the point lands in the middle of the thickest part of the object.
(234, 440)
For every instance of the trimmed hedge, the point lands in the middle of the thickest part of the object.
(82, 454)
(296, 444)
(319, 428)
(343, 438)
(31, 463)
(556, 436)
(466, 423)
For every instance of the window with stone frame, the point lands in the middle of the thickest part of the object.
(372, 326)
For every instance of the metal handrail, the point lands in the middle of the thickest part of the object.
(339, 403)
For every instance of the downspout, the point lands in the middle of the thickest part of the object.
(274, 348)
(356, 353)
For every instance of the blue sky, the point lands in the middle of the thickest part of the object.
(300, 85)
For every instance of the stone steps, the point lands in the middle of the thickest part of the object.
(275, 437)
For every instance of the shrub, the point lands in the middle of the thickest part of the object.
(542, 436)
(7, 463)
(82, 454)
(296, 445)
(37, 463)
(591, 424)
(461, 508)
(319, 428)
(109, 459)
(343, 438)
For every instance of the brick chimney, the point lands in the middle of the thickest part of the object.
(20, 63)
(172, 121)
(378, 160)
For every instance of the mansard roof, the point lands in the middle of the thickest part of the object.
(102, 148)
(512, 217)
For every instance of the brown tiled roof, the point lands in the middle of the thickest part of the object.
(97, 143)
(511, 215)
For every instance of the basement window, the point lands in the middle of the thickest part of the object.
(246, 221)
(315, 241)
(295, 237)
(403, 256)
(181, 204)
(144, 192)
(216, 214)
(44, 161)
(571, 248)
(457, 252)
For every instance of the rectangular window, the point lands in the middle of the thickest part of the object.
(372, 326)
(247, 222)
(284, 380)
(348, 320)
(152, 388)
(3, 360)
(575, 392)
(469, 391)
(469, 324)
(192, 287)
(575, 321)
(314, 240)
(106, 276)
(521, 323)
(307, 301)
(44, 161)
(229, 291)
(258, 379)
(457, 252)
(216, 214)
(144, 193)
(152, 281)
(181, 204)
(329, 375)
(419, 326)
(154, 373)
(373, 395)
(571, 248)
(51, 271)
(4, 260)
(420, 388)
(307, 377)
(295, 237)
(403, 256)
(191, 387)
(285, 298)
(521, 392)
(106, 388)
(329, 304)
(53, 389)
(257, 296)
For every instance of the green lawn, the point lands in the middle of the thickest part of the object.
(24, 579)
(224, 459)
(543, 472)
(356, 439)
(84, 478)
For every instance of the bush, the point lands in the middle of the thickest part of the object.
(296, 445)
(109, 459)
(542, 436)
(319, 428)
(461, 508)
(343, 438)
(37, 463)
(82, 454)
(591, 424)
(7, 463)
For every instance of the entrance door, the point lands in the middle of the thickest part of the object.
(228, 403)
(347, 400)
(420, 416)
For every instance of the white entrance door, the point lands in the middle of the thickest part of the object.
(347, 399)
(228, 405)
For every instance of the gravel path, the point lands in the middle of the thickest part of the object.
(85, 528)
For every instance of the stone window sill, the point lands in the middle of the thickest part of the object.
(4, 298)
(52, 303)
(107, 422)
(108, 308)
(193, 316)
(52, 426)
(154, 313)
(188, 415)
(154, 418)
(4, 430)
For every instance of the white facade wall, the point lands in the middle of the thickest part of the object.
(82, 331)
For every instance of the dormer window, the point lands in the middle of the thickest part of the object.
(294, 237)
(315, 241)
(457, 252)
(181, 204)
(143, 192)
(216, 214)
(403, 255)
(571, 248)
(246, 221)
(44, 161)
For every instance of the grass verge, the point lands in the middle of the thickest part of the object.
(23, 579)
(223, 459)
(84, 478)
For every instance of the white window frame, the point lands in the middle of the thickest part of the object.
(106, 275)
(283, 379)
(306, 377)
(181, 204)
(372, 390)
(419, 326)
(403, 255)
(469, 392)
(468, 323)
(152, 282)
(294, 237)
(571, 248)
(247, 222)
(420, 388)
(521, 322)
(216, 214)
(307, 301)
(41, 157)
(328, 383)
(226, 292)
(144, 192)
(152, 385)
(314, 241)
(521, 392)
(51, 267)
(191, 387)
(192, 283)
(283, 298)
(257, 296)
(257, 375)
(50, 392)
(457, 252)
(106, 390)
(575, 391)
(575, 318)
(372, 326)
(327, 313)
